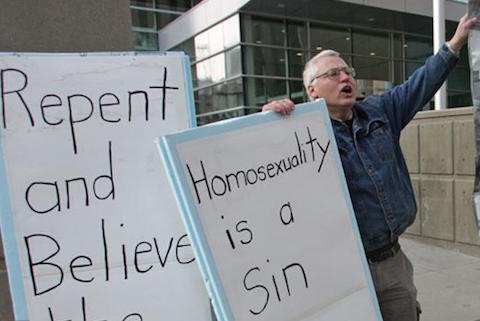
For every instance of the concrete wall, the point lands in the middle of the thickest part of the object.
(439, 150)
(60, 26)
(454, 10)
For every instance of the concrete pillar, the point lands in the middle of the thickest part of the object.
(438, 40)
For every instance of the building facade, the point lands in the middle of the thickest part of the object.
(246, 53)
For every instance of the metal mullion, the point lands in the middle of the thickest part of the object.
(404, 58)
(392, 63)
(217, 83)
(286, 55)
(350, 34)
(215, 54)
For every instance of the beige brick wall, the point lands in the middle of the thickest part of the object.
(65, 26)
(439, 150)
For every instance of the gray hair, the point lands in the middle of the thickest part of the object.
(310, 70)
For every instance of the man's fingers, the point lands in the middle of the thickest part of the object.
(284, 106)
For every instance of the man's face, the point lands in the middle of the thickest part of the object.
(339, 91)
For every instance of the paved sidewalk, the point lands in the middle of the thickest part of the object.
(448, 282)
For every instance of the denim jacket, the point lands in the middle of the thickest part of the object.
(376, 172)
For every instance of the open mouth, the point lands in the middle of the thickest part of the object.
(347, 89)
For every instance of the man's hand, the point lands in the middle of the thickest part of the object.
(460, 37)
(284, 106)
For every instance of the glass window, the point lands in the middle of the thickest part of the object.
(418, 48)
(458, 79)
(371, 44)
(187, 47)
(260, 91)
(231, 31)
(217, 38)
(463, 61)
(459, 99)
(210, 71)
(164, 18)
(297, 92)
(145, 41)
(398, 73)
(142, 3)
(264, 61)
(296, 62)
(228, 94)
(143, 19)
(233, 62)
(262, 30)
(410, 68)
(297, 35)
(203, 100)
(174, 5)
(201, 45)
(221, 96)
(398, 46)
(322, 37)
(217, 68)
(371, 68)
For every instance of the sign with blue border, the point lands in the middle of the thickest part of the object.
(265, 202)
(90, 226)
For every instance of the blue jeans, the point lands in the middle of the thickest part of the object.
(396, 292)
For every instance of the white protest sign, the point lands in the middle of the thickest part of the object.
(266, 205)
(90, 226)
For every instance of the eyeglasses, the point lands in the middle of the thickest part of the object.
(334, 73)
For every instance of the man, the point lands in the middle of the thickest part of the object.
(367, 135)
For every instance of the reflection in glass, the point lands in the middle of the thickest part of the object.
(323, 37)
(221, 96)
(264, 61)
(210, 71)
(233, 62)
(217, 38)
(296, 62)
(201, 45)
(145, 41)
(398, 73)
(142, 3)
(297, 92)
(177, 5)
(217, 68)
(371, 44)
(143, 19)
(371, 68)
(188, 48)
(296, 35)
(459, 99)
(456, 79)
(262, 90)
(418, 48)
(398, 46)
(231, 31)
(262, 30)
(410, 68)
